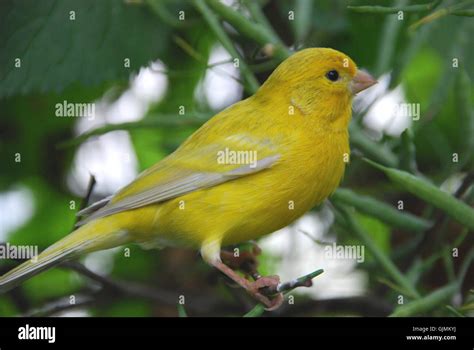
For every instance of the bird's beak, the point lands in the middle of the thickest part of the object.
(362, 81)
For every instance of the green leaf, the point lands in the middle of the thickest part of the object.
(51, 284)
(466, 116)
(56, 51)
(348, 221)
(182, 311)
(454, 311)
(418, 83)
(7, 308)
(257, 311)
(381, 210)
(427, 303)
(258, 32)
(28, 126)
(376, 230)
(52, 218)
(408, 152)
(395, 9)
(150, 143)
(455, 208)
(133, 263)
(127, 308)
(375, 150)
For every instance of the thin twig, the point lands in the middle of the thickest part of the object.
(304, 281)
(133, 289)
(186, 47)
(251, 83)
(62, 305)
(441, 13)
(255, 31)
(171, 120)
(86, 199)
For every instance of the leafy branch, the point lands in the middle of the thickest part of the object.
(258, 32)
(455, 208)
(434, 299)
(456, 9)
(381, 210)
(171, 120)
(252, 83)
(347, 220)
(395, 9)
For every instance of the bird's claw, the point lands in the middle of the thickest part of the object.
(270, 282)
(246, 261)
(264, 286)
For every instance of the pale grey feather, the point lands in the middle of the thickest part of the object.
(94, 206)
(189, 183)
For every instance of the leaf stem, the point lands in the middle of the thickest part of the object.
(255, 31)
(165, 121)
(251, 83)
(381, 210)
(353, 226)
(427, 303)
(394, 9)
(452, 206)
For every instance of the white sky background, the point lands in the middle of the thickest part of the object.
(111, 157)
(383, 115)
(16, 208)
(112, 160)
(219, 87)
(301, 255)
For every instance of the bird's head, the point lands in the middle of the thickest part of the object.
(319, 82)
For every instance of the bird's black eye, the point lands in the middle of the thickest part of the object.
(332, 75)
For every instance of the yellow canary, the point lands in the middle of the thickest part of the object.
(250, 170)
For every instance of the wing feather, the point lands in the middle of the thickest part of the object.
(184, 172)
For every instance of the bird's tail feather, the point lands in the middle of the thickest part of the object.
(87, 238)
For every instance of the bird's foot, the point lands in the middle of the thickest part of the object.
(245, 261)
(263, 289)
(266, 290)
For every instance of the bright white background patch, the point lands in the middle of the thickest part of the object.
(300, 255)
(383, 115)
(219, 88)
(19, 204)
(111, 157)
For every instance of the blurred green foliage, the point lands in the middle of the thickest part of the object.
(81, 60)
(86, 42)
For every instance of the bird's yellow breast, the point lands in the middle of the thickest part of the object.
(247, 208)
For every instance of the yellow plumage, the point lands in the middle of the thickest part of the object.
(296, 125)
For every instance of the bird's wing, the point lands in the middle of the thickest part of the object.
(188, 170)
